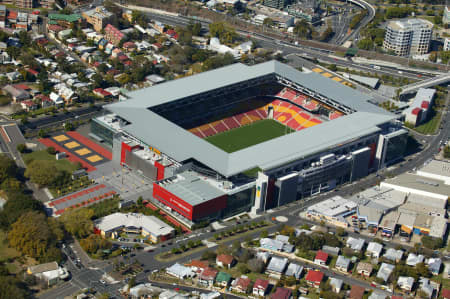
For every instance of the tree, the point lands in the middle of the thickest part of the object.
(302, 29)
(432, 243)
(243, 268)
(268, 22)
(11, 287)
(42, 133)
(78, 222)
(42, 173)
(7, 167)
(132, 282)
(17, 205)
(256, 265)
(51, 150)
(94, 243)
(264, 234)
(195, 28)
(68, 126)
(21, 148)
(209, 255)
(365, 44)
(32, 236)
(340, 232)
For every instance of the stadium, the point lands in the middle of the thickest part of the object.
(247, 138)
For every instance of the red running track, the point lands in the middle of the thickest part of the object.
(89, 143)
(71, 157)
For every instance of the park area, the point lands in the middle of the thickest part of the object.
(430, 127)
(61, 165)
(249, 135)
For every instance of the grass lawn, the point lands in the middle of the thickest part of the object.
(240, 138)
(6, 252)
(430, 126)
(63, 165)
(4, 100)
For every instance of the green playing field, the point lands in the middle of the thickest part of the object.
(248, 135)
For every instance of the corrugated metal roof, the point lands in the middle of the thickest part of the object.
(181, 145)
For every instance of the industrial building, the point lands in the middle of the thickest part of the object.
(330, 134)
(408, 36)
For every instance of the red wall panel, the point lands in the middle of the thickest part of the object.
(160, 173)
(172, 201)
(210, 207)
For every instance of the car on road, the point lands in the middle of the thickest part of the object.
(102, 281)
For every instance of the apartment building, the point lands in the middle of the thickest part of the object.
(408, 37)
(98, 17)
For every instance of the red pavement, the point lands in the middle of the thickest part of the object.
(89, 143)
(71, 157)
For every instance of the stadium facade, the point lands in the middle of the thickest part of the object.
(330, 134)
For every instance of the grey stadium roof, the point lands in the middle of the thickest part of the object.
(181, 145)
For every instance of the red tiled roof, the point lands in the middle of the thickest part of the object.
(396, 297)
(12, 14)
(225, 259)
(128, 62)
(42, 97)
(314, 276)
(129, 45)
(425, 104)
(261, 284)
(122, 57)
(22, 86)
(281, 293)
(357, 292)
(33, 72)
(158, 45)
(198, 264)
(55, 28)
(416, 111)
(446, 293)
(322, 256)
(243, 282)
(102, 92)
(96, 63)
(28, 103)
(209, 273)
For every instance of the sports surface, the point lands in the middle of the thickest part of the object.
(254, 133)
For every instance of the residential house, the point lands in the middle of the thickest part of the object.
(414, 259)
(331, 250)
(336, 284)
(276, 266)
(13, 76)
(385, 271)
(113, 35)
(430, 288)
(57, 100)
(342, 264)
(223, 279)
(275, 245)
(208, 276)
(2, 16)
(356, 292)
(129, 46)
(260, 287)
(197, 266)
(434, 265)
(155, 79)
(100, 92)
(355, 244)
(394, 255)
(180, 271)
(50, 272)
(63, 20)
(28, 105)
(405, 283)
(314, 278)
(294, 270)
(321, 258)
(374, 249)
(282, 293)
(225, 260)
(241, 284)
(376, 295)
(16, 93)
(43, 100)
(364, 269)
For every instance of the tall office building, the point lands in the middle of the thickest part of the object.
(278, 4)
(408, 36)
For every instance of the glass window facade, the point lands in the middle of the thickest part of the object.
(102, 131)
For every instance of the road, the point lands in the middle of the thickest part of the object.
(288, 48)
(366, 20)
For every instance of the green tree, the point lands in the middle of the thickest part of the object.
(8, 168)
(68, 126)
(17, 205)
(93, 243)
(302, 29)
(264, 234)
(243, 268)
(21, 148)
(42, 173)
(365, 44)
(78, 222)
(268, 22)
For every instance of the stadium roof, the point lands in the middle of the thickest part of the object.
(152, 129)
